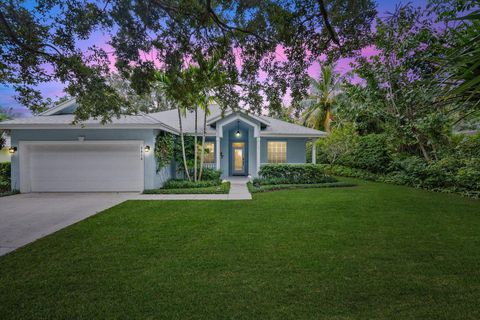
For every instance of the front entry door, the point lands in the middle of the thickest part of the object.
(238, 152)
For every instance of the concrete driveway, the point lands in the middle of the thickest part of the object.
(27, 217)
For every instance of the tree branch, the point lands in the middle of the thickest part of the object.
(14, 38)
(227, 27)
(329, 27)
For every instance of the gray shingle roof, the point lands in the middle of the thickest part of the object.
(166, 120)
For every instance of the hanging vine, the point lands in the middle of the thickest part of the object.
(164, 147)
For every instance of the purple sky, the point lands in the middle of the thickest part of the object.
(54, 90)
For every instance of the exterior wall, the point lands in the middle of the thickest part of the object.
(229, 137)
(296, 149)
(152, 179)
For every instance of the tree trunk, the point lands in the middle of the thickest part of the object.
(196, 147)
(424, 151)
(183, 144)
(202, 156)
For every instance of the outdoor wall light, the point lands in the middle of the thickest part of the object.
(237, 134)
(147, 149)
(12, 150)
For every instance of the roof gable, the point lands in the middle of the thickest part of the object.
(65, 107)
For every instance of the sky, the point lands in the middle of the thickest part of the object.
(54, 90)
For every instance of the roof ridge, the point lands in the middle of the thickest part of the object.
(158, 121)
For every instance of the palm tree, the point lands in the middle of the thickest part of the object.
(169, 86)
(204, 105)
(321, 99)
(211, 79)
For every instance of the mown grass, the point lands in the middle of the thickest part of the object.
(374, 251)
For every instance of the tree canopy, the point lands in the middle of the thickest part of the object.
(265, 47)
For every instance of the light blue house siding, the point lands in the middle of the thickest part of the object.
(296, 149)
(152, 178)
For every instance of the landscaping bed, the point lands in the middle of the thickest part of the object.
(293, 176)
(5, 182)
(255, 188)
(190, 187)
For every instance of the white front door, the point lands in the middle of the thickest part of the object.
(238, 152)
(81, 166)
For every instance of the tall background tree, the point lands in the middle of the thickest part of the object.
(278, 39)
(321, 99)
(4, 115)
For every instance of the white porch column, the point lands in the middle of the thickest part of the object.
(258, 155)
(217, 153)
(314, 151)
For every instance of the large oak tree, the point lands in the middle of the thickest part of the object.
(265, 47)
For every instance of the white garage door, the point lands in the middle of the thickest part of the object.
(81, 166)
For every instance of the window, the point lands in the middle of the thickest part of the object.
(277, 151)
(209, 152)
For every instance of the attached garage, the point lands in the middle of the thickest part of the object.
(81, 166)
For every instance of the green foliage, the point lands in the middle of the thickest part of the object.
(463, 62)
(321, 99)
(371, 153)
(343, 171)
(222, 188)
(468, 176)
(210, 174)
(186, 184)
(5, 176)
(144, 35)
(468, 146)
(452, 173)
(400, 94)
(164, 149)
(338, 145)
(294, 173)
(256, 188)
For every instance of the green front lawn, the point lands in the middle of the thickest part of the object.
(374, 251)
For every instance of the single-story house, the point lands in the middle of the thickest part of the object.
(53, 155)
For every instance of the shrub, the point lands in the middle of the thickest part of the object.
(441, 174)
(295, 173)
(5, 182)
(370, 154)
(338, 145)
(343, 171)
(407, 170)
(183, 184)
(468, 147)
(278, 181)
(273, 187)
(211, 174)
(468, 176)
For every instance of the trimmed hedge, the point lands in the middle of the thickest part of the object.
(5, 182)
(273, 187)
(185, 184)
(294, 174)
(223, 188)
